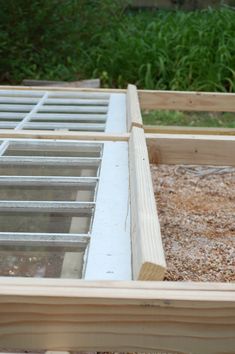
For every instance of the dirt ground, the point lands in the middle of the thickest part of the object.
(196, 208)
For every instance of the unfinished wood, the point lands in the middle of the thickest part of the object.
(187, 101)
(42, 134)
(57, 88)
(147, 250)
(191, 149)
(160, 129)
(117, 316)
(133, 113)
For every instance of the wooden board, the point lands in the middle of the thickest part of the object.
(160, 129)
(58, 135)
(133, 113)
(75, 315)
(154, 99)
(147, 250)
(191, 149)
(187, 101)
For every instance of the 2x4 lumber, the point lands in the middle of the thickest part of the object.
(68, 89)
(153, 99)
(40, 134)
(187, 101)
(147, 250)
(132, 316)
(133, 112)
(191, 149)
(160, 129)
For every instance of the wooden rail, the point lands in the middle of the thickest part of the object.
(138, 316)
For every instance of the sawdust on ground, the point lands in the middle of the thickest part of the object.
(196, 208)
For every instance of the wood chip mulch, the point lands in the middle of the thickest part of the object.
(196, 208)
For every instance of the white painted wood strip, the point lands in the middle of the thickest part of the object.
(109, 255)
(5, 144)
(116, 116)
(26, 119)
(147, 250)
(72, 109)
(69, 126)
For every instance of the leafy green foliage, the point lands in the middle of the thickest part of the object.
(50, 39)
(171, 50)
(77, 39)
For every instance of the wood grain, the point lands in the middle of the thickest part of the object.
(160, 129)
(187, 101)
(66, 135)
(117, 316)
(191, 149)
(133, 112)
(147, 250)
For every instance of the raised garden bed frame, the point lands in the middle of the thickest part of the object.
(169, 317)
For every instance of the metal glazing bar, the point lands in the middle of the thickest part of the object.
(20, 239)
(85, 208)
(13, 100)
(48, 181)
(68, 109)
(53, 161)
(70, 126)
(77, 101)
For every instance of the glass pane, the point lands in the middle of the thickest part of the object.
(40, 263)
(44, 222)
(27, 170)
(47, 193)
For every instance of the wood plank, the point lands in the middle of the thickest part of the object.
(133, 113)
(191, 149)
(187, 101)
(62, 135)
(147, 250)
(57, 88)
(160, 129)
(77, 315)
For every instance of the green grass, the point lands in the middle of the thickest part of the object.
(72, 40)
(191, 119)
